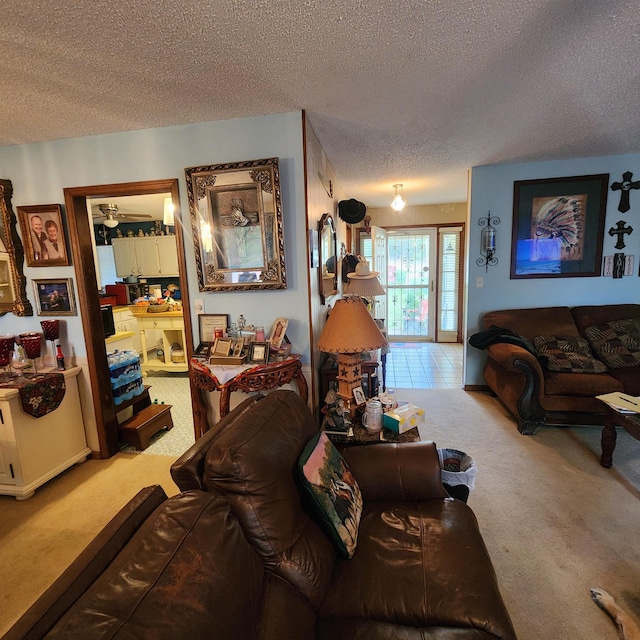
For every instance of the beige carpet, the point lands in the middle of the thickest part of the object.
(555, 522)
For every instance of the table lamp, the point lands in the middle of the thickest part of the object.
(349, 331)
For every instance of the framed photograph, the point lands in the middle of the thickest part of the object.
(54, 297)
(558, 227)
(43, 235)
(236, 218)
(221, 347)
(208, 323)
(237, 346)
(259, 352)
(277, 332)
(358, 396)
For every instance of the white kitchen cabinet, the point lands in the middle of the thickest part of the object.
(147, 256)
(34, 450)
(126, 325)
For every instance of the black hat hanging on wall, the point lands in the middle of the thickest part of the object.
(351, 211)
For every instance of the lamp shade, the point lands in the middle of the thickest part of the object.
(350, 329)
(110, 222)
(366, 287)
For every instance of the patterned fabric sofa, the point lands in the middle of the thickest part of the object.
(579, 353)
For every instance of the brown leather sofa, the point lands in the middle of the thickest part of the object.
(238, 555)
(537, 396)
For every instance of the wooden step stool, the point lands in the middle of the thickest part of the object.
(137, 430)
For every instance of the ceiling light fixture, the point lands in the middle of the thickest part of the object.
(110, 221)
(398, 203)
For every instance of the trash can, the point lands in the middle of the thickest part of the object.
(459, 473)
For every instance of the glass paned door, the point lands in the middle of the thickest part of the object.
(449, 284)
(410, 274)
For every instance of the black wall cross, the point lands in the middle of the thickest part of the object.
(620, 231)
(625, 186)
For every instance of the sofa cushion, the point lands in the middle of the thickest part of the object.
(421, 570)
(617, 342)
(253, 462)
(174, 579)
(567, 354)
(333, 491)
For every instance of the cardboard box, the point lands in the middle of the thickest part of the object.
(403, 418)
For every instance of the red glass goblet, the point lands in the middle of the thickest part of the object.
(31, 342)
(6, 347)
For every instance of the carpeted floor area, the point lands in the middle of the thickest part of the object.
(555, 522)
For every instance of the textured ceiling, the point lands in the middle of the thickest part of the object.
(412, 92)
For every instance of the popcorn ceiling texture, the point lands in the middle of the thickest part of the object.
(395, 91)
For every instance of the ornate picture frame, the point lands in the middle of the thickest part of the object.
(43, 234)
(278, 331)
(55, 297)
(236, 219)
(558, 227)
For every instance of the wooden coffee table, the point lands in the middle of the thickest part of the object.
(630, 422)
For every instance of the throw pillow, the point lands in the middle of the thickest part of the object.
(567, 355)
(617, 343)
(334, 492)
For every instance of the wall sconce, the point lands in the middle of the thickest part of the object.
(488, 241)
(398, 203)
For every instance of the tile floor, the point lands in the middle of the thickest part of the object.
(424, 365)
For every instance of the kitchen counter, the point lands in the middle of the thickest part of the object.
(171, 326)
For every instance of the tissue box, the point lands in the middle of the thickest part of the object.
(403, 418)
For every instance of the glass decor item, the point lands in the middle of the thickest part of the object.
(31, 343)
(18, 360)
(6, 346)
(51, 332)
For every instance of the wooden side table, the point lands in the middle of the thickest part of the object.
(363, 436)
(630, 422)
(260, 377)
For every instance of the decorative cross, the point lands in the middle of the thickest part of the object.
(625, 186)
(620, 232)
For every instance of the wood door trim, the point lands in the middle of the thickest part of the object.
(89, 300)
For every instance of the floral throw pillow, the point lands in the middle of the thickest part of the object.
(567, 355)
(333, 491)
(617, 343)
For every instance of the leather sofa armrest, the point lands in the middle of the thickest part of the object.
(88, 566)
(396, 471)
(512, 357)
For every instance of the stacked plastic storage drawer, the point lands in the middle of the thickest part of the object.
(125, 374)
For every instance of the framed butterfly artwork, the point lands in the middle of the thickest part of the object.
(558, 227)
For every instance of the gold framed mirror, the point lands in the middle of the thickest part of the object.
(236, 218)
(13, 295)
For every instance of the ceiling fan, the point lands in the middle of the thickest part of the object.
(109, 213)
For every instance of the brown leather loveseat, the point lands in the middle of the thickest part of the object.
(239, 555)
(537, 395)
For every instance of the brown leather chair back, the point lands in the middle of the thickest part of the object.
(253, 462)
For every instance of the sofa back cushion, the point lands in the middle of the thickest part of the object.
(588, 315)
(541, 321)
(254, 464)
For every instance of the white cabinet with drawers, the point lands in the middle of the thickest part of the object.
(34, 450)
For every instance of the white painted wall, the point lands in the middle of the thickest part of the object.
(41, 171)
(492, 189)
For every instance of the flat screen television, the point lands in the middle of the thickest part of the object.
(107, 320)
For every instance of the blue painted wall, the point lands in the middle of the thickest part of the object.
(492, 190)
